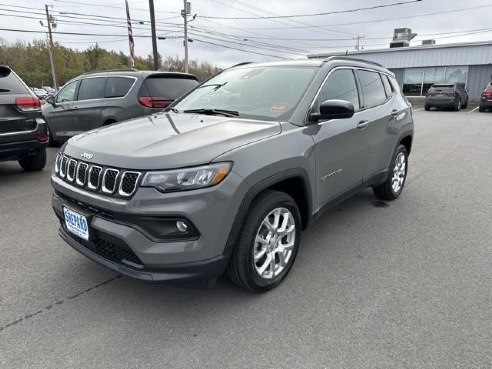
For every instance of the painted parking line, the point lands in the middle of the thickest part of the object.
(471, 111)
(418, 109)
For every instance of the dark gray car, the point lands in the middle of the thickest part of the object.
(447, 96)
(228, 176)
(23, 132)
(96, 99)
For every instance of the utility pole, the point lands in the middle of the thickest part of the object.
(186, 10)
(154, 37)
(51, 48)
(357, 47)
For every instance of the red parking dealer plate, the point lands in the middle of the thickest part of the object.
(76, 223)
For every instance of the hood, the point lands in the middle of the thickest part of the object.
(168, 140)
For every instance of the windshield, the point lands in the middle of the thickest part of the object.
(267, 93)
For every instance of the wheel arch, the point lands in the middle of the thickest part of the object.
(294, 182)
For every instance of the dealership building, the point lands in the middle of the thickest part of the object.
(418, 67)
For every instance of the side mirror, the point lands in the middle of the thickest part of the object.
(333, 109)
(51, 100)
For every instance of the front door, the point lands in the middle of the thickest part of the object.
(341, 155)
(90, 104)
(59, 115)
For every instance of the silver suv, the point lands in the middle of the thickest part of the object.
(226, 178)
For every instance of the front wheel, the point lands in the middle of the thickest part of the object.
(393, 186)
(267, 244)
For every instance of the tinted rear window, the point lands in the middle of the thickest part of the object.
(118, 86)
(10, 83)
(92, 88)
(372, 88)
(170, 88)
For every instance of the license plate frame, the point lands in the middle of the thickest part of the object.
(76, 223)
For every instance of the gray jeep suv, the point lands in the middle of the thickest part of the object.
(226, 178)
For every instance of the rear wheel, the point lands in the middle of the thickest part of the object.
(481, 109)
(427, 107)
(457, 107)
(34, 162)
(393, 186)
(267, 244)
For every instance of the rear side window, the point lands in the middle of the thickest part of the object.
(118, 86)
(92, 88)
(340, 85)
(10, 83)
(387, 85)
(169, 88)
(372, 88)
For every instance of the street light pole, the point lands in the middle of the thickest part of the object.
(51, 48)
(154, 37)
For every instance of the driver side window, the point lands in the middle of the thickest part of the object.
(67, 93)
(340, 85)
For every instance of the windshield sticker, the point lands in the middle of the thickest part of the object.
(277, 108)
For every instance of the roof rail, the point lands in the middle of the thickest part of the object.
(331, 58)
(239, 64)
(112, 70)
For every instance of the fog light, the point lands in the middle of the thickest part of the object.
(182, 226)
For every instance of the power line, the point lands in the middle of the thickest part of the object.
(236, 48)
(316, 14)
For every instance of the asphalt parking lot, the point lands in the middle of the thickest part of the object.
(375, 285)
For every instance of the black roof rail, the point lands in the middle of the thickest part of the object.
(332, 58)
(112, 70)
(239, 64)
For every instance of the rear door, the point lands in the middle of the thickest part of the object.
(89, 105)
(380, 111)
(15, 119)
(160, 90)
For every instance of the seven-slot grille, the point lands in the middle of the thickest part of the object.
(110, 181)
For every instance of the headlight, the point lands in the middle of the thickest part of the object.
(187, 178)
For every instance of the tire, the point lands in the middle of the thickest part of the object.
(34, 162)
(386, 190)
(51, 141)
(243, 270)
(481, 109)
(465, 105)
(457, 107)
(427, 107)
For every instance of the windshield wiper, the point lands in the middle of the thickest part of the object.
(209, 111)
(217, 85)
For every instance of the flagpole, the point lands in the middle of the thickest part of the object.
(131, 43)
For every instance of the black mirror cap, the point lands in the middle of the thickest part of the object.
(334, 109)
(51, 100)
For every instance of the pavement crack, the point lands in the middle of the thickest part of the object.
(57, 303)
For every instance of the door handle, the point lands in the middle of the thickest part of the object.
(362, 124)
(394, 113)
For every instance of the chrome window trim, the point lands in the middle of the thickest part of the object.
(70, 179)
(89, 185)
(77, 174)
(120, 189)
(103, 183)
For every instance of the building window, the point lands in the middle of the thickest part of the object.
(417, 81)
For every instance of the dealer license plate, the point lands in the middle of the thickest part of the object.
(76, 223)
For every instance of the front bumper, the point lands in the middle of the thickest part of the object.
(126, 246)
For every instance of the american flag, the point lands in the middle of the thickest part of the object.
(130, 35)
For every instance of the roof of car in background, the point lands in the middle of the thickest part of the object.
(136, 72)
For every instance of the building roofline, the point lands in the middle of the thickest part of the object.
(398, 49)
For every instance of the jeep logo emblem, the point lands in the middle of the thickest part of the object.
(87, 155)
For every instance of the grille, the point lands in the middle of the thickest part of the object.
(63, 166)
(82, 174)
(72, 165)
(115, 252)
(94, 174)
(96, 178)
(109, 180)
(128, 183)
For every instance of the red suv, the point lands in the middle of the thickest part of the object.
(486, 99)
